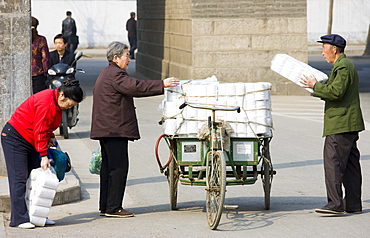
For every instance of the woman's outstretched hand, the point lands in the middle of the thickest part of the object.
(171, 82)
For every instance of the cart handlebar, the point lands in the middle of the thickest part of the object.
(209, 107)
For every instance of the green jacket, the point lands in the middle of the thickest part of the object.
(342, 101)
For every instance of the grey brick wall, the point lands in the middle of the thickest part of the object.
(15, 58)
(234, 40)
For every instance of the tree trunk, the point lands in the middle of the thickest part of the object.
(367, 49)
(330, 24)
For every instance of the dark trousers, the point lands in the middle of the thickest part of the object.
(20, 159)
(133, 46)
(113, 173)
(38, 83)
(342, 167)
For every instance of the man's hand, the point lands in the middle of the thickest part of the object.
(45, 163)
(171, 82)
(308, 82)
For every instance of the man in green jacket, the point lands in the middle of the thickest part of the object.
(342, 123)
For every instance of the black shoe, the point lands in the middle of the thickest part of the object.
(327, 210)
(355, 212)
(102, 213)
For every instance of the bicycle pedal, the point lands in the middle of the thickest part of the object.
(231, 206)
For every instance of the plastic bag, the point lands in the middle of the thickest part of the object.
(95, 162)
(59, 161)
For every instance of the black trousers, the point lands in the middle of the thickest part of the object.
(38, 83)
(113, 173)
(20, 158)
(342, 167)
(133, 46)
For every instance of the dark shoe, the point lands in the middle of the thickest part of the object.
(120, 213)
(327, 210)
(102, 213)
(354, 212)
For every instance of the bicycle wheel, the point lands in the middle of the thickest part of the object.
(266, 176)
(173, 179)
(216, 187)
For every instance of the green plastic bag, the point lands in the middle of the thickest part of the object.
(95, 162)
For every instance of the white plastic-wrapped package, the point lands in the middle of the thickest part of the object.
(294, 69)
(253, 99)
(41, 188)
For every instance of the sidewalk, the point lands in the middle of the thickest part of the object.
(70, 189)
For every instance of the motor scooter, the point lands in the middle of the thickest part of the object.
(59, 73)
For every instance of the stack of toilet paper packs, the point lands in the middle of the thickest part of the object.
(253, 98)
(41, 188)
(293, 69)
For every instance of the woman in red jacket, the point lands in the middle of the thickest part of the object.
(27, 136)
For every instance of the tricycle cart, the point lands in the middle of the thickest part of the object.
(215, 165)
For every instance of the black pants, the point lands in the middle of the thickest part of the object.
(38, 83)
(133, 46)
(20, 158)
(113, 173)
(342, 167)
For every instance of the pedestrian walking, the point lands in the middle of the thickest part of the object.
(114, 123)
(132, 34)
(342, 123)
(69, 30)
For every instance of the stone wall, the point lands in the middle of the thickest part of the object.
(15, 58)
(234, 40)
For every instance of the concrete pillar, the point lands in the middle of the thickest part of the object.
(232, 39)
(15, 58)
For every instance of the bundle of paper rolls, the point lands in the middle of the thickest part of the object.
(293, 69)
(41, 188)
(253, 98)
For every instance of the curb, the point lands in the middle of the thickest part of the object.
(69, 190)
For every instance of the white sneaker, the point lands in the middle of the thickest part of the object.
(26, 225)
(49, 222)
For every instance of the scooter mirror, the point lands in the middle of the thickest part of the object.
(79, 55)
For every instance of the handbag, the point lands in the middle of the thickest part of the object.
(95, 162)
(60, 161)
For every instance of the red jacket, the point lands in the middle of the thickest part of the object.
(113, 113)
(36, 119)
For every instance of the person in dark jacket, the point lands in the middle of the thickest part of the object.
(27, 136)
(69, 30)
(114, 123)
(342, 123)
(132, 35)
(61, 54)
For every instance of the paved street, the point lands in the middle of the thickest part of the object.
(297, 189)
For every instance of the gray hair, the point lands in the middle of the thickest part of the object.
(115, 48)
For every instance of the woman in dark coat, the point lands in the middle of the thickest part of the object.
(114, 123)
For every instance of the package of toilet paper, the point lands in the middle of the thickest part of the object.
(294, 69)
(41, 187)
(254, 100)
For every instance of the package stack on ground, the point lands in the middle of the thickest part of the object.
(41, 189)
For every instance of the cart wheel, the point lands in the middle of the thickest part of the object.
(216, 187)
(266, 175)
(173, 179)
(65, 125)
